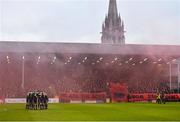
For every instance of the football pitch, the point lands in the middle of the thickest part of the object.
(93, 112)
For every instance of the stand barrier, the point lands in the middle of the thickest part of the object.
(82, 97)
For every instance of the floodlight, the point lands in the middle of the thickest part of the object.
(130, 59)
(145, 59)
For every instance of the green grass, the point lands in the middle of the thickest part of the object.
(93, 112)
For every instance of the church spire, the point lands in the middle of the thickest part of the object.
(113, 12)
(113, 27)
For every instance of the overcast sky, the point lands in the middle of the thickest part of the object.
(146, 21)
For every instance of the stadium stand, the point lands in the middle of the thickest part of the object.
(66, 69)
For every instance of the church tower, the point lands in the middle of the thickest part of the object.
(113, 27)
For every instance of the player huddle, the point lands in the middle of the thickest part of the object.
(36, 100)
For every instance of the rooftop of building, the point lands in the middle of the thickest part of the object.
(89, 48)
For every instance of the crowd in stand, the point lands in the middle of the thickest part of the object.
(82, 86)
(148, 87)
(59, 78)
(55, 88)
(54, 81)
